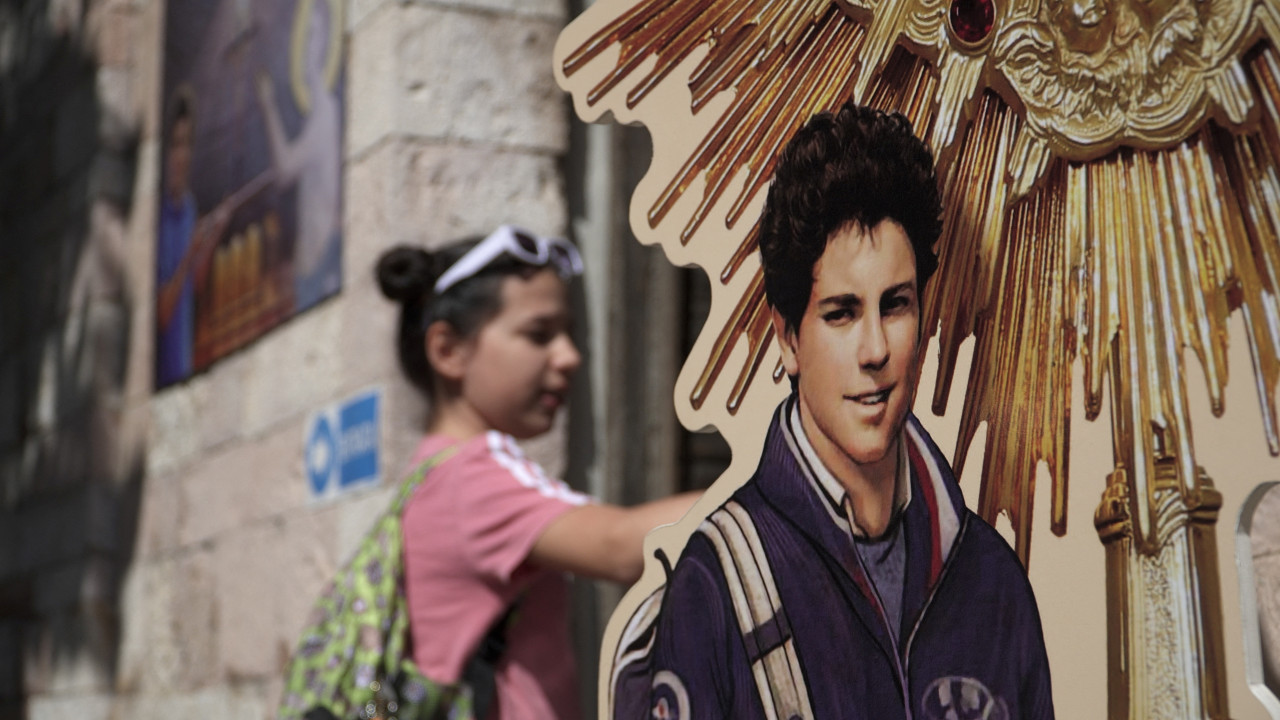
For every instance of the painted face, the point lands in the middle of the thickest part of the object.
(521, 361)
(855, 349)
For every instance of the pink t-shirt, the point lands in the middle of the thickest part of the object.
(468, 530)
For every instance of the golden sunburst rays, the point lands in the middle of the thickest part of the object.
(1126, 260)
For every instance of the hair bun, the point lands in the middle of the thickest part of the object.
(404, 273)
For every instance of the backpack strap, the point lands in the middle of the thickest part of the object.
(766, 633)
(416, 477)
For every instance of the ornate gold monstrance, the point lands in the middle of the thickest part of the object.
(1111, 178)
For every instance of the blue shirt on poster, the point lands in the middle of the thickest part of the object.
(175, 339)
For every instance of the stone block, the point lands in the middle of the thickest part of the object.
(238, 702)
(482, 79)
(372, 96)
(169, 620)
(373, 197)
(294, 370)
(159, 517)
(370, 327)
(90, 706)
(268, 576)
(171, 442)
(117, 35)
(197, 620)
(242, 484)
(439, 73)
(221, 416)
(454, 191)
(149, 648)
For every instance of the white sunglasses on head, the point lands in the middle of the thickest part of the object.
(519, 244)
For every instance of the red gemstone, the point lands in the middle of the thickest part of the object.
(972, 20)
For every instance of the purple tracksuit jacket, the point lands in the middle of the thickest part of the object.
(969, 645)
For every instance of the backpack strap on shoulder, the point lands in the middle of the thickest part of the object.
(415, 478)
(762, 620)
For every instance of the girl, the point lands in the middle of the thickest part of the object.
(484, 332)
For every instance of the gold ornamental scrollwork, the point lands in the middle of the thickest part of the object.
(1093, 75)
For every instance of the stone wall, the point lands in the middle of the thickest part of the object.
(158, 551)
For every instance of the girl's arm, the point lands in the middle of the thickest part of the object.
(606, 541)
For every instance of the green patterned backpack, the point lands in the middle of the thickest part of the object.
(351, 661)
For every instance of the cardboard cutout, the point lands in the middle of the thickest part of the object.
(1107, 171)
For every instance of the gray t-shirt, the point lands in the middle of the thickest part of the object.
(885, 560)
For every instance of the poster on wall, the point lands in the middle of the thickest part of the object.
(249, 219)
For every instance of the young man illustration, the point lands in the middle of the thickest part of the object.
(846, 578)
(184, 248)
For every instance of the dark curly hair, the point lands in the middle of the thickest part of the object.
(858, 165)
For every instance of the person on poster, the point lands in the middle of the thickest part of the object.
(185, 245)
(846, 578)
(311, 160)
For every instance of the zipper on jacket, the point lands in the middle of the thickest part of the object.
(893, 636)
(942, 575)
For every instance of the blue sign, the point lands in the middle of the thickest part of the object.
(343, 442)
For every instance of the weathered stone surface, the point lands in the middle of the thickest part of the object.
(168, 625)
(159, 517)
(294, 370)
(405, 421)
(239, 702)
(370, 325)
(451, 192)
(432, 72)
(244, 483)
(431, 193)
(171, 443)
(89, 706)
(148, 646)
(198, 620)
(222, 409)
(268, 575)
